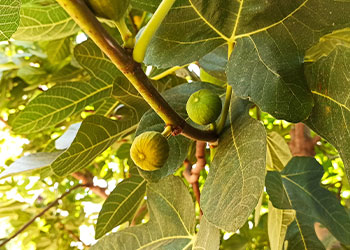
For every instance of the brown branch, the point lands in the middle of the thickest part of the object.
(192, 174)
(122, 59)
(87, 180)
(302, 144)
(40, 214)
(72, 234)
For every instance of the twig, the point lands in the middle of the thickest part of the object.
(40, 214)
(302, 144)
(133, 71)
(72, 234)
(192, 174)
(87, 180)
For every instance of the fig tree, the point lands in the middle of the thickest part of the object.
(150, 150)
(204, 107)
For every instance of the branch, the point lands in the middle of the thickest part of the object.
(73, 235)
(87, 21)
(192, 174)
(302, 144)
(87, 180)
(40, 214)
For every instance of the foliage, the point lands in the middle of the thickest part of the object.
(79, 103)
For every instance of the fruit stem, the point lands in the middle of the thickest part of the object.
(87, 21)
(167, 131)
(125, 33)
(150, 29)
(221, 124)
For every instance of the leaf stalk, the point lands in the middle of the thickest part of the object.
(150, 29)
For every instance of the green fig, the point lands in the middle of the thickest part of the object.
(204, 107)
(110, 9)
(150, 150)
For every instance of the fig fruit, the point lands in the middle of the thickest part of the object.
(150, 150)
(110, 9)
(204, 107)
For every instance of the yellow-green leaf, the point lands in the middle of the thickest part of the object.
(278, 221)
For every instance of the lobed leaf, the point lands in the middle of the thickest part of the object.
(301, 182)
(9, 12)
(236, 177)
(95, 135)
(270, 39)
(171, 224)
(329, 81)
(59, 102)
(98, 65)
(44, 20)
(121, 205)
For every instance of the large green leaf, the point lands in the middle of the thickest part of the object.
(301, 182)
(121, 205)
(30, 163)
(147, 5)
(329, 81)
(58, 103)
(98, 65)
(236, 177)
(44, 20)
(208, 236)
(270, 39)
(177, 98)
(95, 135)
(184, 35)
(9, 12)
(171, 224)
(215, 63)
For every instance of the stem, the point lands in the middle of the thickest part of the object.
(167, 131)
(151, 28)
(167, 72)
(78, 10)
(40, 214)
(87, 180)
(222, 121)
(125, 33)
(221, 124)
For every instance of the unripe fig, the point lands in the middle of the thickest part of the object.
(204, 107)
(110, 9)
(150, 150)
